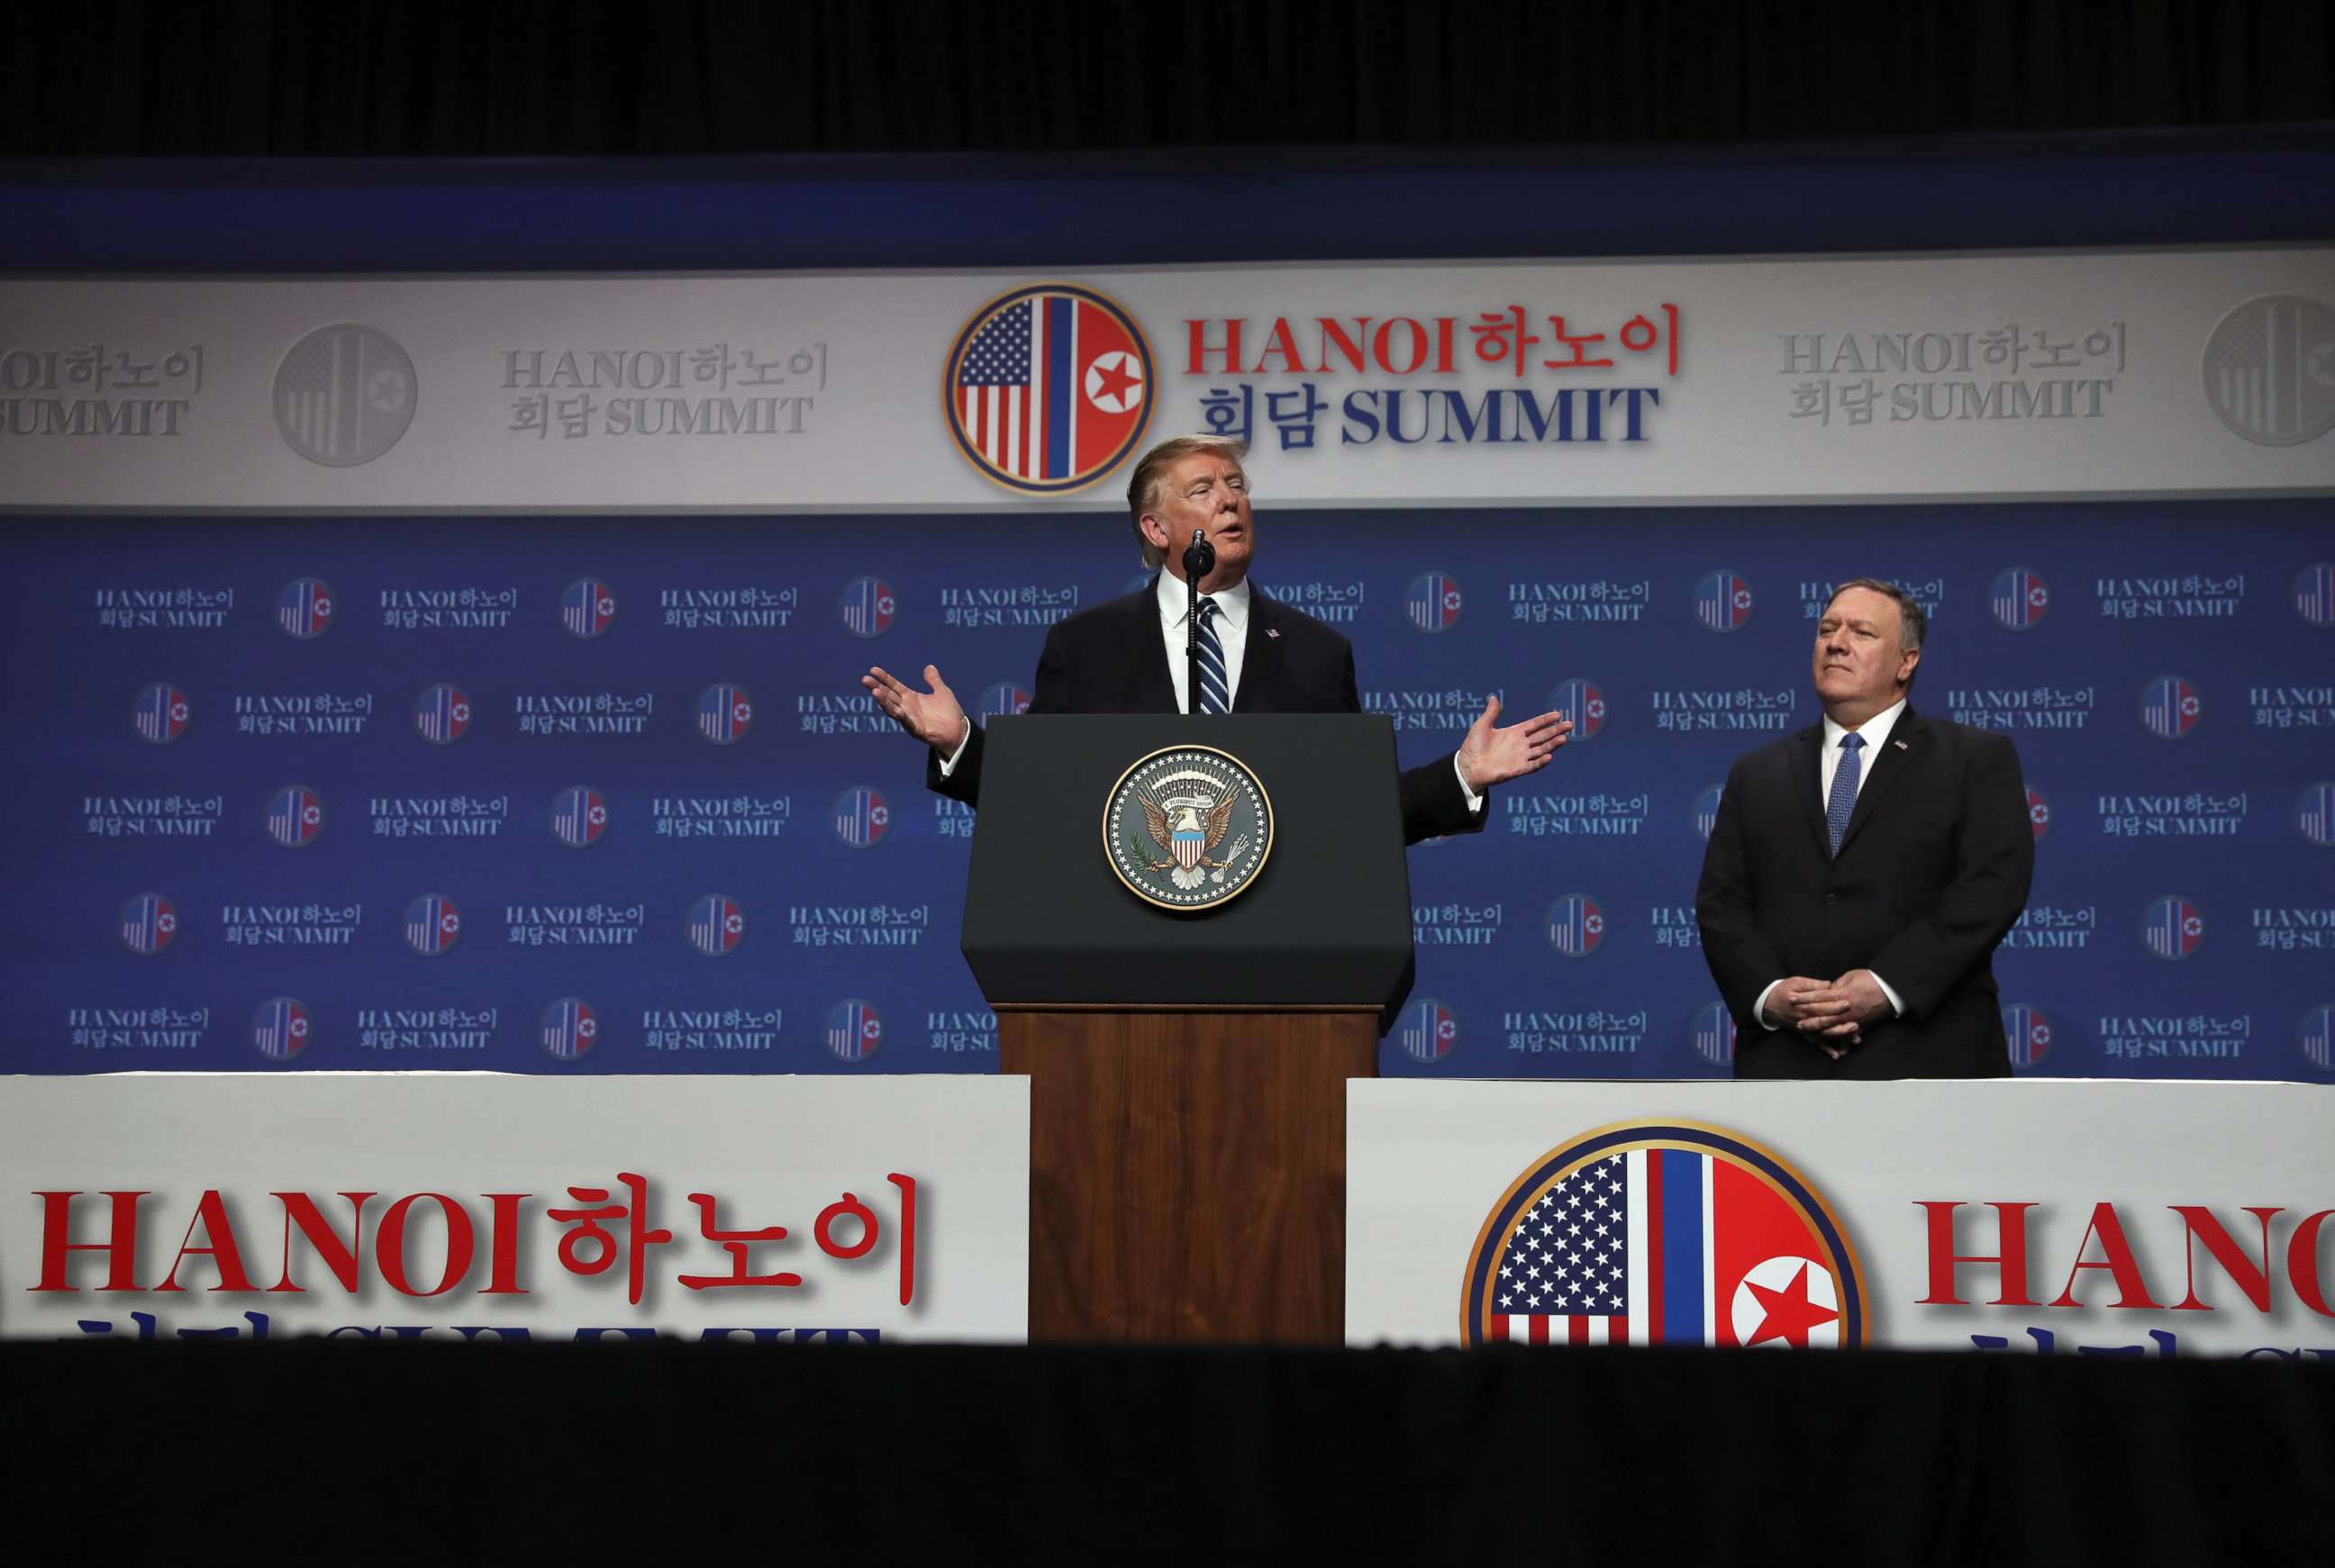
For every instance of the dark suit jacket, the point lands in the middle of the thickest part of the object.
(1112, 659)
(1932, 871)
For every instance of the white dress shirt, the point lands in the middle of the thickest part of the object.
(1875, 731)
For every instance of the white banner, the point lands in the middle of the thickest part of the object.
(2040, 1217)
(479, 1206)
(1544, 384)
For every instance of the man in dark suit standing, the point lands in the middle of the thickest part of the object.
(1257, 656)
(1886, 851)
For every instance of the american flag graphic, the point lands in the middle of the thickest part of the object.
(578, 816)
(1706, 810)
(305, 609)
(2018, 598)
(2174, 928)
(344, 394)
(724, 713)
(1433, 602)
(295, 816)
(2169, 706)
(2314, 814)
(1662, 1246)
(432, 924)
(716, 925)
(854, 1033)
(1576, 926)
(2266, 370)
(442, 714)
(281, 1029)
(2314, 593)
(1004, 699)
(869, 606)
(587, 607)
(160, 713)
(569, 1027)
(1722, 601)
(1428, 1032)
(2027, 1033)
(1714, 1034)
(862, 816)
(2319, 1037)
(148, 924)
(1050, 388)
(1583, 702)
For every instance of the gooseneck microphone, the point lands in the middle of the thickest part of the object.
(1199, 560)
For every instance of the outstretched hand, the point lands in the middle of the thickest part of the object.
(1490, 756)
(933, 717)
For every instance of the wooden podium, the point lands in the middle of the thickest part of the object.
(1188, 1073)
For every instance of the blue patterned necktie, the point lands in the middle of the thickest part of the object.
(1843, 804)
(1214, 689)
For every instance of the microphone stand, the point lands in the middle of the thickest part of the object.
(1199, 560)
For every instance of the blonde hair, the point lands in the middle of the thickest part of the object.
(1151, 472)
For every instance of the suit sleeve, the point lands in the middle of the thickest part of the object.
(1994, 862)
(1726, 906)
(1432, 802)
(1051, 694)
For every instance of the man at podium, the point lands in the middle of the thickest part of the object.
(1256, 655)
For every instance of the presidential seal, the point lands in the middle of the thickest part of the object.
(1188, 827)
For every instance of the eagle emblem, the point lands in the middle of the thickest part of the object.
(1184, 835)
(1188, 827)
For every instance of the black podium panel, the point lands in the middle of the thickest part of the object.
(1327, 921)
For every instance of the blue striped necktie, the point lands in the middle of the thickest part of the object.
(1214, 690)
(1842, 806)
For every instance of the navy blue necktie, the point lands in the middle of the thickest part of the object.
(1214, 688)
(1843, 804)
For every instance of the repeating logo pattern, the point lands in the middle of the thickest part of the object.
(1004, 701)
(867, 607)
(569, 1028)
(579, 816)
(1433, 602)
(344, 395)
(2270, 370)
(2318, 1037)
(2314, 593)
(2019, 599)
(587, 607)
(1428, 1030)
(282, 1029)
(433, 924)
(1048, 388)
(2038, 813)
(1188, 827)
(1662, 1234)
(854, 1030)
(1583, 702)
(1706, 810)
(161, 713)
(296, 817)
(149, 922)
(1576, 926)
(305, 609)
(2314, 814)
(2174, 928)
(1722, 602)
(862, 816)
(2027, 1033)
(717, 925)
(441, 715)
(724, 713)
(1714, 1034)
(2170, 707)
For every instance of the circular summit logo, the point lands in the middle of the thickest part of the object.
(2270, 371)
(1583, 702)
(282, 1029)
(160, 713)
(2026, 1034)
(1433, 602)
(2038, 813)
(1714, 1034)
(296, 817)
(579, 816)
(2174, 928)
(441, 715)
(1706, 810)
(1188, 827)
(2314, 814)
(149, 924)
(1047, 388)
(2018, 599)
(1428, 1032)
(569, 1028)
(1576, 926)
(1005, 701)
(1662, 1234)
(862, 816)
(303, 608)
(717, 925)
(724, 713)
(2314, 593)
(343, 395)
(2319, 1036)
(433, 924)
(587, 607)
(2170, 707)
(854, 1030)
(867, 607)
(1722, 602)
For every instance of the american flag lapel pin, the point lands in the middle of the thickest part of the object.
(1899, 744)
(1273, 632)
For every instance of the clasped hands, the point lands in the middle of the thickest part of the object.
(1832, 1013)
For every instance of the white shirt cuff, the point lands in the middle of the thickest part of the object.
(1759, 1007)
(1474, 801)
(1897, 1002)
(948, 763)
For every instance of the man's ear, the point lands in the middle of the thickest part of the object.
(1906, 664)
(1154, 529)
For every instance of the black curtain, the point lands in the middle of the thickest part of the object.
(518, 77)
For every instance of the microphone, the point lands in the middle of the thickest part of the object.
(1200, 559)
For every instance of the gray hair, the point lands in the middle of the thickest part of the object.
(1913, 623)
(1151, 472)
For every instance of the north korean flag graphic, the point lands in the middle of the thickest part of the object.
(160, 713)
(2038, 813)
(433, 924)
(1433, 602)
(149, 924)
(1004, 701)
(282, 1029)
(1428, 1030)
(587, 607)
(1583, 702)
(1690, 1237)
(724, 713)
(717, 925)
(569, 1028)
(2170, 707)
(2314, 592)
(296, 817)
(2026, 1033)
(1714, 1034)
(303, 608)
(2174, 928)
(2319, 1037)
(1722, 601)
(867, 607)
(862, 816)
(579, 816)
(441, 715)
(2018, 599)
(854, 1033)
(1047, 388)
(1576, 926)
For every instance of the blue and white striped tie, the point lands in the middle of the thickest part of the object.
(1843, 804)
(1214, 689)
